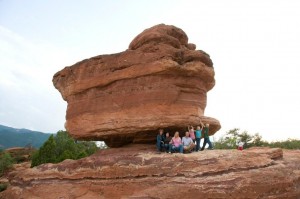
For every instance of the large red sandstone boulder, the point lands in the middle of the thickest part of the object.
(161, 81)
(139, 172)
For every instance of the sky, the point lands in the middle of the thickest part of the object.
(254, 46)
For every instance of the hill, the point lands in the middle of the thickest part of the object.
(11, 137)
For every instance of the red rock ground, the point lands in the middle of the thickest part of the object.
(139, 172)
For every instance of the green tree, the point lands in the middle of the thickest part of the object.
(233, 136)
(257, 140)
(60, 147)
(226, 142)
(46, 154)
(6, 162)
(66, 147)
(229, 140)
(246, 138)
(287, 144)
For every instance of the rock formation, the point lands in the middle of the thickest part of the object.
(161, 81)
(21, 154)
(139, 172)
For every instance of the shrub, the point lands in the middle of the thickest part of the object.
(6, 162)
(3, 187)
(228, 141)
(287, 144)
(60, 147)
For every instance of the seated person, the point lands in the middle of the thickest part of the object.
(188, 144)
(168, 139)
(160, 140)
(175, 144)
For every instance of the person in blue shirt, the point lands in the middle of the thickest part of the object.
(198, 136)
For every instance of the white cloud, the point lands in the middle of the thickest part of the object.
(254, 46)
(26, 89)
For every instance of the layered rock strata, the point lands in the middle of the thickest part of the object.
(138, 172)
(161, 81)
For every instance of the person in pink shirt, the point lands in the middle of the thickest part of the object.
(192, 133)
(176, 144)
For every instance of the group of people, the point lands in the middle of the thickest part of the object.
(188, 143)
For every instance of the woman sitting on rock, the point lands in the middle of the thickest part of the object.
(176, 144)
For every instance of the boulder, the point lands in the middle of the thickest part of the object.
(137, 171)
(21, 154)
(160, 81)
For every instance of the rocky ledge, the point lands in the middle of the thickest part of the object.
(160, 81)
(136, 171)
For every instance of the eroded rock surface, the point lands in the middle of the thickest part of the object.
(138, 172)
(161, 81)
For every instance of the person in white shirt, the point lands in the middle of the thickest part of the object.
(240, 145)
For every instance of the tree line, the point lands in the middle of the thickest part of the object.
(230, 139)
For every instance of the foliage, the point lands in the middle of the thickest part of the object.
(230, 139)
(6, 162)
(3, 186)
(22, 155)
(287, 144)
(60, 147)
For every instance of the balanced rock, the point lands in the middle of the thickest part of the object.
(139, 172)
(161, 81)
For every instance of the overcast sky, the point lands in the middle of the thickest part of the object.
(255, 47)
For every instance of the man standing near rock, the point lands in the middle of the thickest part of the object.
(206, 138)
(188, 143)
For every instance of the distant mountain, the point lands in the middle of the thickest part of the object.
(11, 137)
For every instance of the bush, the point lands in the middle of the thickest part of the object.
(60, 147)
(287, 144)
(3, 187)
(6, 162)
(228, 141)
